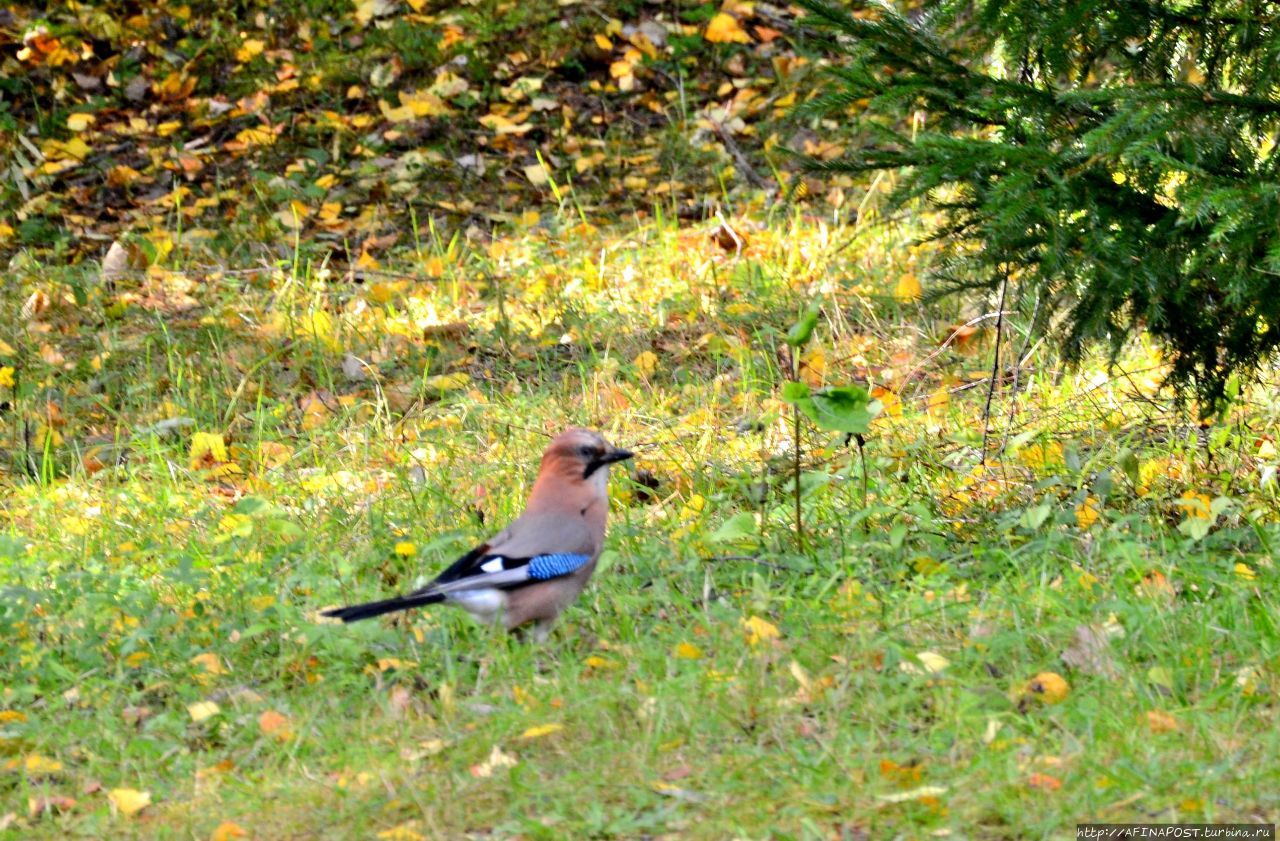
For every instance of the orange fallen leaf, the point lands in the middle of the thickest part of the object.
(1155, 583)
(228, 831)
(37, 806)
(1044, 782)
(959, 335)
(276, 725)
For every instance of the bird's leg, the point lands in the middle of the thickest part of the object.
(541, 630)
(537, 631)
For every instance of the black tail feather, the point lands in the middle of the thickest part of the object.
(369, 610)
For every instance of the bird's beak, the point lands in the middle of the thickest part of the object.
(616, 454)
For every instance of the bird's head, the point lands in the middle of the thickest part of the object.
(580, 454)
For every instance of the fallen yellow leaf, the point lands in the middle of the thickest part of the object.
(1247, 679)
(36, 765)
(537, 174)
(938, 401)
(497, 759)
(249, 48)
(210, 663)
(424, 104)
(759, 630)
(403, 114)
(273, 454)
(687, 651)
(500, 125)
(207, 450)
(203, 710)
(256, 136)
(724, 29)
(1048, 687)
(1197, 506)
(388, 663)
(129, 801)
(541, 730)
(646, 363)
(73, 149)
(1087, 512)
(907, 288)
(921, 793)
(403, 832)
(448, 382)
(80, 122)
(933, 663)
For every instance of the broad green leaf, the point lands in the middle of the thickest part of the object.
(252, 505)
(802, 331)
(736, 527)
(1129, 464)
(838, 409)
(1195, 528)
(844, 408)
(794, 392)
(1034, 517)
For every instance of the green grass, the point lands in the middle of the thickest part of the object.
(255, 421)
(138, 582)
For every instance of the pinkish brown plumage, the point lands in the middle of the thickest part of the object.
(534, 568)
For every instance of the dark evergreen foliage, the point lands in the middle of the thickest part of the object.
(1116, 158)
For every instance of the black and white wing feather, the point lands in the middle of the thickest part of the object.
(480, 569)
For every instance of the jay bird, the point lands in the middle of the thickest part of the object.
(533, 569)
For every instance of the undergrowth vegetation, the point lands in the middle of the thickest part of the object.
(1082, 626)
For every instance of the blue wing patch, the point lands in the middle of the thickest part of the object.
(543, 567)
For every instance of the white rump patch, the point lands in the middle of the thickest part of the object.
(484, 605)
(493, 564)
